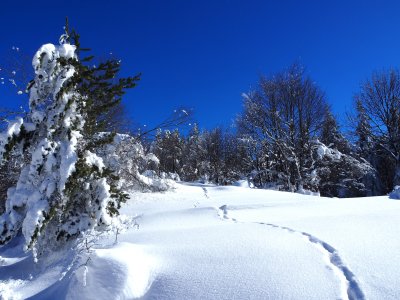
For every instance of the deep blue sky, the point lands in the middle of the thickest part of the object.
(204, 54)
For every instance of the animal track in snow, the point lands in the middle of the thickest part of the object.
(351, 289)
(224, 210)
(205, 192)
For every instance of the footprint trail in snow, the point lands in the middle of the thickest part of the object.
(349, 284)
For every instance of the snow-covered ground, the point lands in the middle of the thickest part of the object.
(208, 242)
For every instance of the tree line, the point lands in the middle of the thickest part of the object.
(287, 138)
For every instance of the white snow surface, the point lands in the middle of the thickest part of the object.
(207, 242)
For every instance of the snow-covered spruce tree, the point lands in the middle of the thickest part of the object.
(168, 147)
(65, 189)
(194, 155)
(331, 135)
(363, 133)
(234, 156)
(366, 149)
(253, 160)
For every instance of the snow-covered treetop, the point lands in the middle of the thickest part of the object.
(49, 79)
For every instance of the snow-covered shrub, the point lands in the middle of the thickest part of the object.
(170, 176)
(307, 192)
(65, 188)
(135, 169)
(395, 194)
(340, 175)
(243, 183)
(153, 182)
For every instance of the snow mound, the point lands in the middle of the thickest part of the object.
(8, 290)
(395, 194)
(243, 183)
(125, 271)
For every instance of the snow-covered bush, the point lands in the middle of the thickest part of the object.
(126, 157)
(65, 188)
(340, 175)
(395, 194)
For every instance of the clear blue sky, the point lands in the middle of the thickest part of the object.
(204, 54)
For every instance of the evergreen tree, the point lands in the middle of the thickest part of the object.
(168, 147)
(331, 135)
(65, 189)
(235, 157)
(213, 142)
(194, 155)
(363, 133)
(254, 163)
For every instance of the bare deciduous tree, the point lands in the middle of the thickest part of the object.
(379, 98)
(284, 114)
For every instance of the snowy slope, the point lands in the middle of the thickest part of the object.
(208, 242)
